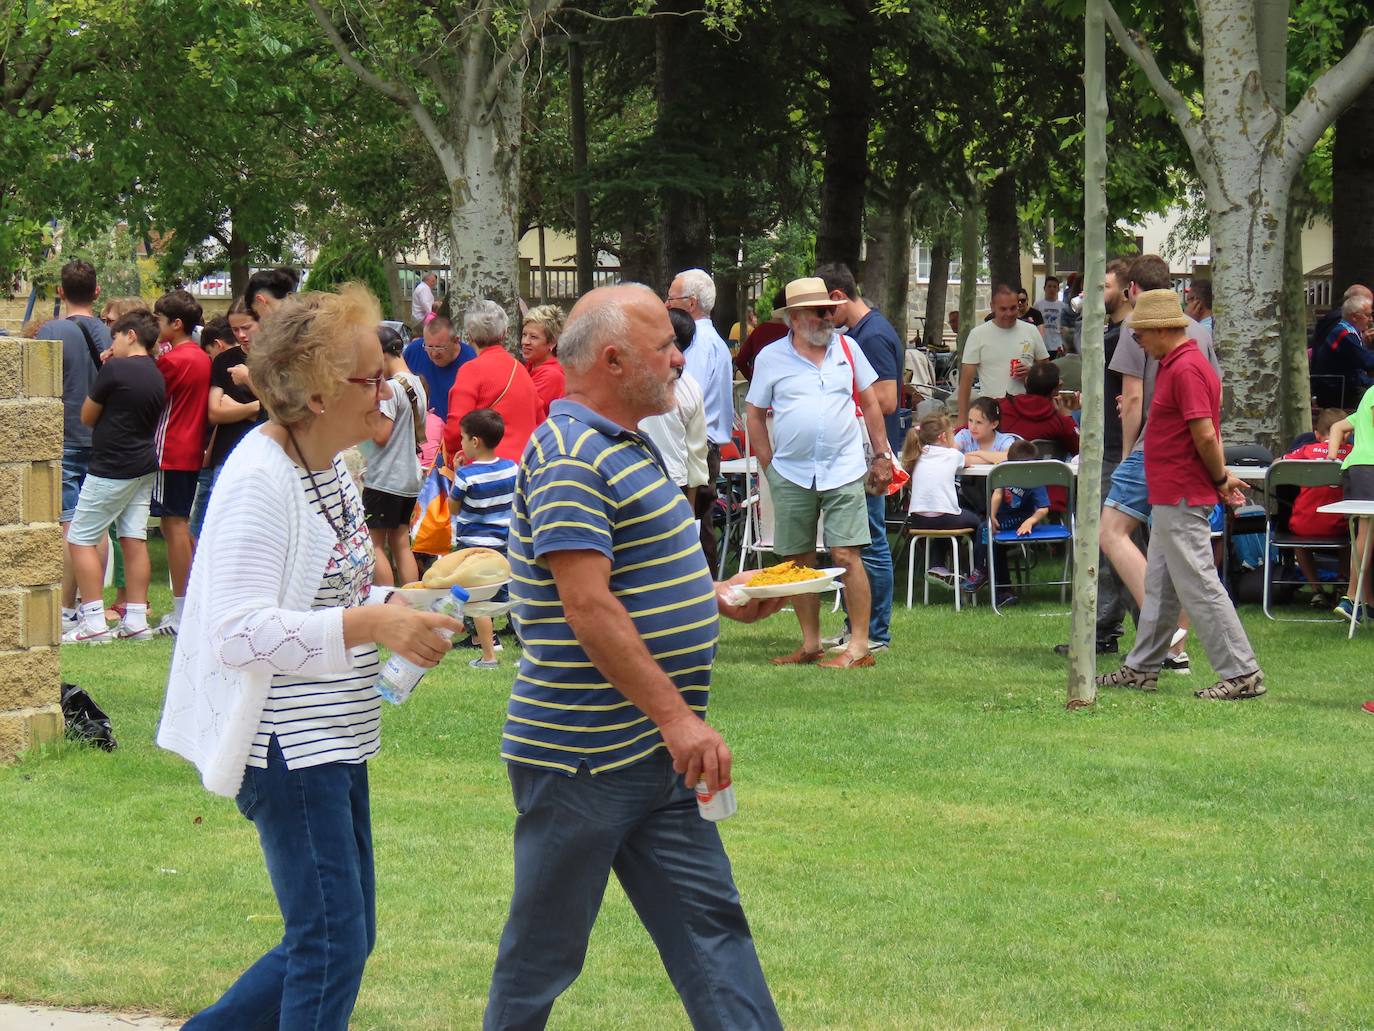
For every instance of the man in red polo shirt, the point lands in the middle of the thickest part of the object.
(1185, 474)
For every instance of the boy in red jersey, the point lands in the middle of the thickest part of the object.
(181, 437)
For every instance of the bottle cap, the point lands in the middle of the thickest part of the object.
(459, 594)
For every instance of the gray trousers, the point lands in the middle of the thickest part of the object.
(1180, 574)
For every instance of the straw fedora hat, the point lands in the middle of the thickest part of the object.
(1158, 309)
(809, 292)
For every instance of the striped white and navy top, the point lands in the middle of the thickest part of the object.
(334, 718)
(485, 492)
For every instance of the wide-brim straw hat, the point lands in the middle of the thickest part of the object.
(809, 292)
(1158, 309)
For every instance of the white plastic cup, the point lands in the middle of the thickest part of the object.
(718, 805)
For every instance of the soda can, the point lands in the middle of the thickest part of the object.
(717, 805)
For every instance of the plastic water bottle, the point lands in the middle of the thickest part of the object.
(717, 805)
(399, 676)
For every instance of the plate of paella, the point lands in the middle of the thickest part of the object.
(787, 579)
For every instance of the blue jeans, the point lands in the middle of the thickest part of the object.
(205, 483)
(877, 560)
(641, 822)
(75, 462)
(316, 833)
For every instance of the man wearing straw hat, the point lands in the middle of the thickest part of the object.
(812, 380)
(1185, 473)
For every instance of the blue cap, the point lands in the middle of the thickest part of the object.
(459, 594)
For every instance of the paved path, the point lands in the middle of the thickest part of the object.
(40, 1018)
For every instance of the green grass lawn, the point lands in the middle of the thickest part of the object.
(933, 843)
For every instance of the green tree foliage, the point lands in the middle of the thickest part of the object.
(346, 261)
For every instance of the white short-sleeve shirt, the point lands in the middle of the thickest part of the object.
(680, 435)
(817, 436)
(992, 348)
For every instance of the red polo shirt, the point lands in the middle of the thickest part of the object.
(1185, 388)
(182, 433)
(494, 379)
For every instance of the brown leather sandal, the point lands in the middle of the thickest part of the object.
(797, 658)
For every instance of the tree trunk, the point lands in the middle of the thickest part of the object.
(582, 205)
(483, 186)
(887, 272)
(1295, 391)
(848, 111)
(937, 291)
(397, 300)
(1083, 629)
(239, 269)
(684, 230)
(1352, 197)
(1004, 232)
(639, 253)
(970, 259)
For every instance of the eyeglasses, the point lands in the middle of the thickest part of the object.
(375, 382)
(672, 298)
(824, 312)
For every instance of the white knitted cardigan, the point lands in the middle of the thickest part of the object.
(258, 566)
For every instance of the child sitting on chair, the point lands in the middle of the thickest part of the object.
(1012, 508)
(981, 440)
(933, 461)
(1305, 520)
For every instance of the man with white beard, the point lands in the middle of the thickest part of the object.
(815, 462)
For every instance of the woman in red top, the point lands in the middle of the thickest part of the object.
(538, 345)
(494, 379)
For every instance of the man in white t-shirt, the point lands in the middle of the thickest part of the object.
(422, 300)
(993, 347)
(1050, 308)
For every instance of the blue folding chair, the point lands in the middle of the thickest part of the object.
(1293, 473)
(1043, 473)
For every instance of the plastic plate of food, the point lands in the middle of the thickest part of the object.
(787, 579)
(424, 597)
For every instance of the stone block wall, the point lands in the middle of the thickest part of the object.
(30, 542)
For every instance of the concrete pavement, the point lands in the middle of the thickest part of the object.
(40, 1018)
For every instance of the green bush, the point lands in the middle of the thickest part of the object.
(345, 261)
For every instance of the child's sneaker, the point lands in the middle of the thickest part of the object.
(1251, 685)
(70, 623)
(1136, 680)
(81, 635)
(1006, 599)
(166, 628)
(974, 581)
(1346, 606)
(1178, 664)
(124, 632)
(481, 663)
(940, 576)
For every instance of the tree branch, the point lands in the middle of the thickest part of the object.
(472, 61)
(1325, 99)
(540, 12)
(401, 94)
(1138, 50)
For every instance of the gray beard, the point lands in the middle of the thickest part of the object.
(818, 337)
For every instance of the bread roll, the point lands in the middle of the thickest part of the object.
(470, 567)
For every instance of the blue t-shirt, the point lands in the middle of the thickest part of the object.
(883, 349)
(587, 484)
(1020, 503)
(438, 378)
(484, 492)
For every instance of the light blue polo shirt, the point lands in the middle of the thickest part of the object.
(817, 437)
(588, 484)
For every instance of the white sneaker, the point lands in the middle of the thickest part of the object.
(70, 623)
(81, 635)
(124, 632)
(167, 628)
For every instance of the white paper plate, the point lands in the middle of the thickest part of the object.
(424, 597)
(816, 585)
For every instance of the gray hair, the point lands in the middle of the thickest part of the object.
(486, 322)
(1354, 304)
(591, 329)
(697, 283)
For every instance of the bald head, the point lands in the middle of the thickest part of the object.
(619, 352)
(602, 318)
(1358, 290)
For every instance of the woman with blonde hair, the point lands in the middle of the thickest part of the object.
(272, 693)
(538, 346)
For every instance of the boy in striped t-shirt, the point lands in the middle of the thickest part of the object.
(483, 492)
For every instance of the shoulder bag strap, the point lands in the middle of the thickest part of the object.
(416, 416)
(90, 341)
(509, 380)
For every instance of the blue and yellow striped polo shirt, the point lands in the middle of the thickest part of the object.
(587, 484)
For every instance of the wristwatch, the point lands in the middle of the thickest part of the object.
(1221, 482)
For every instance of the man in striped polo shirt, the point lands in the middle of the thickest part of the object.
(604, 737)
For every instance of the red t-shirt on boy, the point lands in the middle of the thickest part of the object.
(182, 432)
(1305, 519)
(1186, 388)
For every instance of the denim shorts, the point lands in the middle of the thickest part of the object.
(205, 483)
(122, 504)
(1129, 493)
(75, 462)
